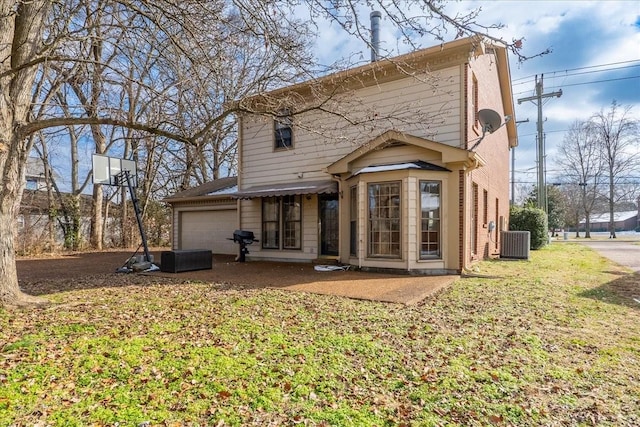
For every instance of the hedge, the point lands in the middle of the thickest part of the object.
(534, 221)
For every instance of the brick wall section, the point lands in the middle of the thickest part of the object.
(493, 178)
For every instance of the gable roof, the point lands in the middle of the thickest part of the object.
(372, 73)
(430, 59)
(450, 154)
(215, 189)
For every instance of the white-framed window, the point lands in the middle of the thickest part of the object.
(430, 220)
(283, 131)
(384, 219)
(282, 222)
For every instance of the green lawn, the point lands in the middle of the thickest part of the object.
(550, 341)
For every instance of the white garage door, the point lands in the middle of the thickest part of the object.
(208, 230)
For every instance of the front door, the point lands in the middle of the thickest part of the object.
(329, 223)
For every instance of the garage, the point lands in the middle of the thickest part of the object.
(204, 217)
(208, 229)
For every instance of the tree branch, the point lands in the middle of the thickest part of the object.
(30, 128)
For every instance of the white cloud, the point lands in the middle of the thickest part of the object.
(581, 33)
(619, 49)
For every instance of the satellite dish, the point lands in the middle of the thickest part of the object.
(490, 120)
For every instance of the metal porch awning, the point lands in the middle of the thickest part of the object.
(289, 189)
(418, 164)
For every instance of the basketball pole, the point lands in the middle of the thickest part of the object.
(136, 209)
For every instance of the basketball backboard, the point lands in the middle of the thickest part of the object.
(107, 170)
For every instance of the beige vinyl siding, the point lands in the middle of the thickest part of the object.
(175, 228)
(310, 227)
(251, 219)
(411, 229)
(398, 155)
(313, 151)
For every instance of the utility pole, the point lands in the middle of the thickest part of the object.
(537, 98)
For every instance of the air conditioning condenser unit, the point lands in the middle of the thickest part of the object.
(515, 244)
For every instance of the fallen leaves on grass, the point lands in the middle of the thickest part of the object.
(536, 347)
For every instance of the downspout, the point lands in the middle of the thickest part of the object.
(360, 242)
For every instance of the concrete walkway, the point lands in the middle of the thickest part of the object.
(407, 290)
(624, 252)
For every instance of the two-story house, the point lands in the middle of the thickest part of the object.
(384, 166)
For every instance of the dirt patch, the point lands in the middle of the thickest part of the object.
(42, 276)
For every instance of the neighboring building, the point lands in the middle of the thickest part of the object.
(623, 221)
(40, 224)
(34, 175)
(399, 194)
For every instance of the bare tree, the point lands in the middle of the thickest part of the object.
(580, 158)
(616, 134)
(75, 39)
(572, 194)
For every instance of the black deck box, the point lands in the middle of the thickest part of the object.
(186, 260)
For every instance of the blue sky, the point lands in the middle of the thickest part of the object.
(595, 59)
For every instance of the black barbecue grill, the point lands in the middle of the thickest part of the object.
(243, 238)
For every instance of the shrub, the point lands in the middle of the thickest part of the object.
(533, 220)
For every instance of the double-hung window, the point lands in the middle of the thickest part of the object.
(282, 222)
(283, 133)
(430, 208)
(384, 219)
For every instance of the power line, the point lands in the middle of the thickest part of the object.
(577, 69)
(599, 81)
(587, 83)
(546, 131)
(583, 73)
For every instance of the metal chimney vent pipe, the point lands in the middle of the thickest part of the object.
(375, 17)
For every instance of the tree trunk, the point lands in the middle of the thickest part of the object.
(612, 222)
(97, 232)
(20, 39)
(12, 166)
(10, 293)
